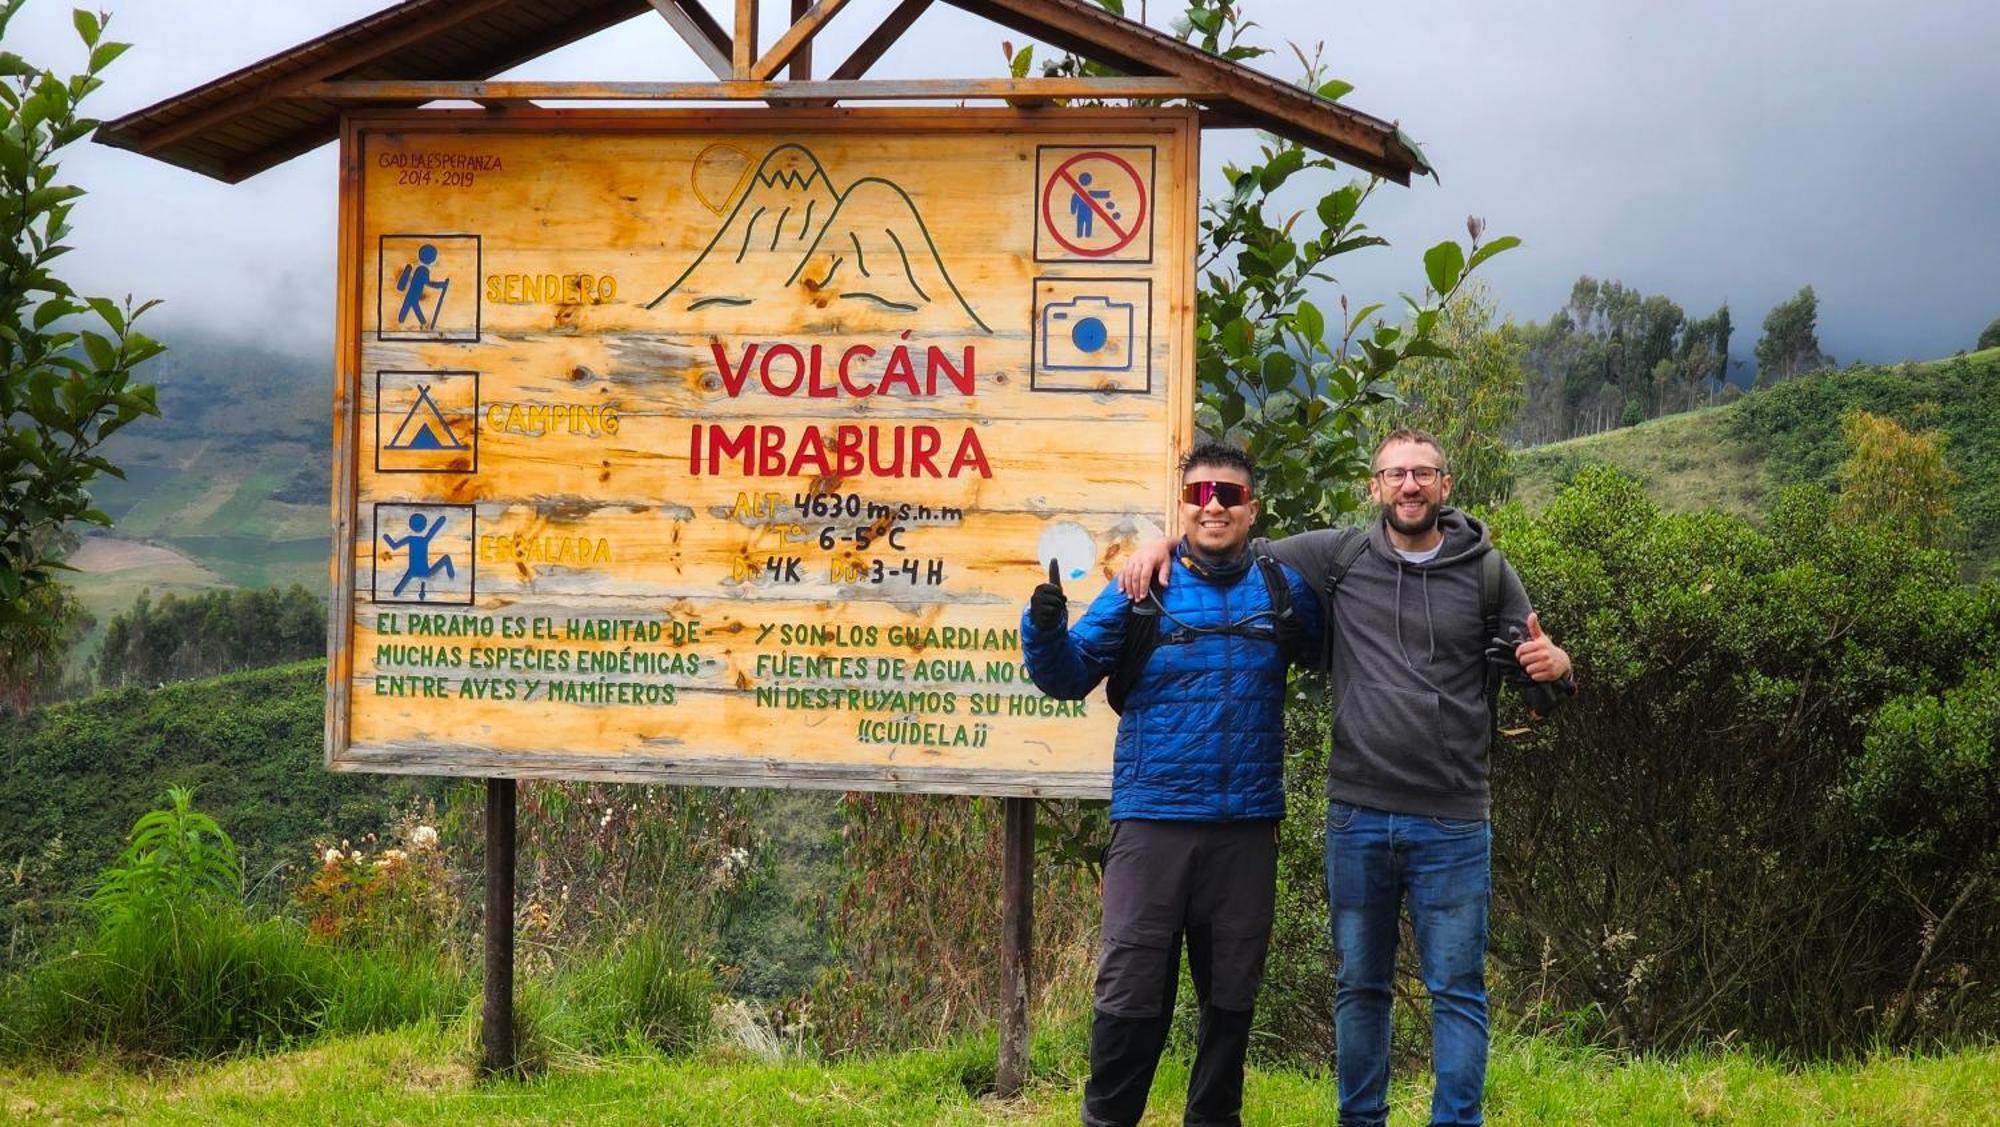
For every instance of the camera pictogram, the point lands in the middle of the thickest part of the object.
(1093, 334)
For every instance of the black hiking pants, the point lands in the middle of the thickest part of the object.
(1212, 886)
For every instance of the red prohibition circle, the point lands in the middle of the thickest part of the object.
(1062, 175)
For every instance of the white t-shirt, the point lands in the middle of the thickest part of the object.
(1425, 556)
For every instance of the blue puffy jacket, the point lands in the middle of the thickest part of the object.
(1202, 736)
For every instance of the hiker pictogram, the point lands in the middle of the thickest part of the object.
(429, 287)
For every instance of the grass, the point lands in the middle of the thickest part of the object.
(253, 561)
(423, 1074)
(1686, 462)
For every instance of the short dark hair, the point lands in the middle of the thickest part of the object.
(1219, 454)
(1409, 434)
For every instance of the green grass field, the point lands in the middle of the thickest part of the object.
(1686, 462)
(421, 1075)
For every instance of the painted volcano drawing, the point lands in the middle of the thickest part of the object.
(791, 237)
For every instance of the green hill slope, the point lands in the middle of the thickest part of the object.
(250, 741)
(231, 478)
(1688, 462)
(1735, 457)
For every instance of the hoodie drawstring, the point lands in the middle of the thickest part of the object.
(1430, 623)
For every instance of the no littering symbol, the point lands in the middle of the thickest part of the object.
(1094, 204)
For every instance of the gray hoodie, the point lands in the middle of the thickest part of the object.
(1411, 731)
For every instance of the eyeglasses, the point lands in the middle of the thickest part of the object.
(1229, 493)
(1395, 475)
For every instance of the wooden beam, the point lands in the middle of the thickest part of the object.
(745, 54)
(393, 92)
(879, 40)
(1083, 27)
(796, 37)
(692, 23)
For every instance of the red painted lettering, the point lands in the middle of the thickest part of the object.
(733, 383)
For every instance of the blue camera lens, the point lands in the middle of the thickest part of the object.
(1089, 334)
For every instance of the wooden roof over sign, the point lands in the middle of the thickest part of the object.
(421, 51)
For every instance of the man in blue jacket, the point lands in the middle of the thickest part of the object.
(1417, 656)
(1197, 787)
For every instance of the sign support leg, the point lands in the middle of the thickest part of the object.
(498, 1024)
(1017, 945)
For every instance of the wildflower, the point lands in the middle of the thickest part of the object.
(423, 837)
(332, 856)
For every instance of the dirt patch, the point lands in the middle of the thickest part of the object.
(104, 553)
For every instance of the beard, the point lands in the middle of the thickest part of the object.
(1424, 522)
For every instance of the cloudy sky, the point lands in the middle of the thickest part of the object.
(1710, 150)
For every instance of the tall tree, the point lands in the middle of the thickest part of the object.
(1470, 400)
(65, 360)
(1614, 356)
(1790, 345)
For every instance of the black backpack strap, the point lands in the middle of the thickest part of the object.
(1346, 550)
(1142, 637)
(1284, 619)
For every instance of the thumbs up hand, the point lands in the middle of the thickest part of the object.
(1539, 656)
(1048, 607)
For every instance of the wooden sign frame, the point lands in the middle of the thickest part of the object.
(364, 268)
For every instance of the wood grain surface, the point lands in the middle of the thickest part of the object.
(726, 446)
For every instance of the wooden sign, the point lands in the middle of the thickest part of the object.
(726, 447)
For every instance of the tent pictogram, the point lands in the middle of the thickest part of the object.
(424, 427)
(427, 422)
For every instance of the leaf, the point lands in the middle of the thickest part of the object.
(1503, 243)
(1023, 59)
(1311, 323)
(87, 26)
(1237, 335)
(1444, 265)
(1280, 168)
(1335, 90)
(105, 54)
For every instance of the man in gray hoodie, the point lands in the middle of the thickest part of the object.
(1411, 649)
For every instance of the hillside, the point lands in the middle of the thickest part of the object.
(1735, 457)
(1688, 462)
(250, 741)
(228, 486)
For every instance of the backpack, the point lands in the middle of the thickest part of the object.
(1353, 542)
(1142, 632)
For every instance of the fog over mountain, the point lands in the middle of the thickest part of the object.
(1711, 151)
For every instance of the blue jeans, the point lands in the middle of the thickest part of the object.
(1374, 860)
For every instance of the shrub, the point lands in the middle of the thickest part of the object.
(176, 968)
(1798, 425)
(645, 992)
(1695, 847)
(916, 929)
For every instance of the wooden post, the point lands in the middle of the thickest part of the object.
(1017, 945)
(802, 62)
(498, 1031)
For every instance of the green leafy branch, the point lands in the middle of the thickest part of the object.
(67, 359)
